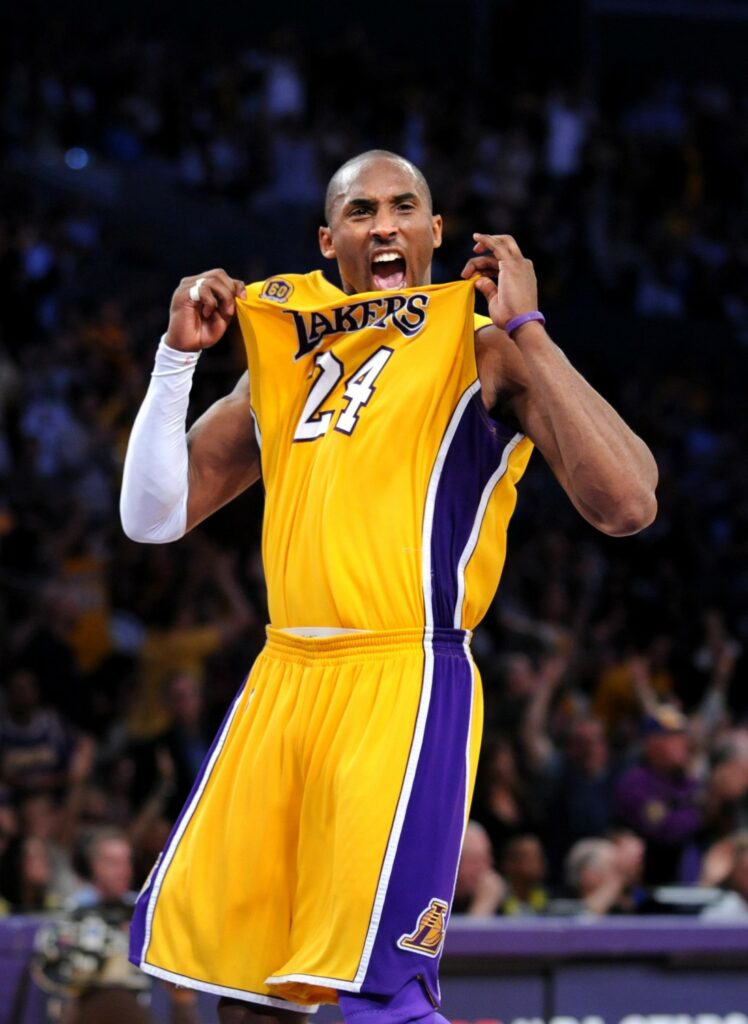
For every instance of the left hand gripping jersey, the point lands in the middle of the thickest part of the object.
(388, 487)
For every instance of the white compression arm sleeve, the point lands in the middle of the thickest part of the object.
(153, 502)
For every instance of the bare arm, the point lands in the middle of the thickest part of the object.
(607, 471)
(537, 745)
(224, 458)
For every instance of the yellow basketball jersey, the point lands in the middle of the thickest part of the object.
(388, 487)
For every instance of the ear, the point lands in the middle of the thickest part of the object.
(436, 229)
(325, 243)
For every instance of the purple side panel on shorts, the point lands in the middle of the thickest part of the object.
(138, 922)
(474, 454)
(428, 850)
(408, 1005)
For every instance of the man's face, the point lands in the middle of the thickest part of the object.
(381, 231)
(667, 752)
(525, 862)
(111, 868)
(587, 747)
(475, 861)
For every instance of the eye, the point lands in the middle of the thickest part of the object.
(359, 211)
(407, 206)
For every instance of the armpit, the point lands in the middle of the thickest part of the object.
(501, 411)
(503, 374)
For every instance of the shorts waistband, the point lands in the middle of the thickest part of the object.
(365, 643)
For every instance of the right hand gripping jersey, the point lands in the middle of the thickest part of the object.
(389, 489)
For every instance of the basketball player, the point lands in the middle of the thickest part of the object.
(315, 859)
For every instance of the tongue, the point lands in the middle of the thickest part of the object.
(389, 275)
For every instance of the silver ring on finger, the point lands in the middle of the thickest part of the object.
(195, 289)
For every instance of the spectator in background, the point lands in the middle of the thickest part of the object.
(26, 877)
(625, 688)
(630, 848)
(580, 790)
(592, 874)
(523, 867)
(42, 645)
(104, 861)
(187, 640)
(8, 818)
(185, 742)
(661, 801)
(104, 902)
(502, 803)
(714, 663)
(727, 785)
(577, 782)
(567, 123)
(517, 683)
(52, 822)
(479, 890)
(726, 864)
(603, 877)
(35, 743)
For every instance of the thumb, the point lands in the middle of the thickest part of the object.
(486, 287)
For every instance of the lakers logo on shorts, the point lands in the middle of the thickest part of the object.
(277, 290)
(428, 935)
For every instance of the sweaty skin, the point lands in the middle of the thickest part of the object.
(382, 229)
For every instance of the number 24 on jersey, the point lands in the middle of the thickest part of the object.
(358, 392)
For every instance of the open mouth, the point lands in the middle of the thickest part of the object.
(388, 271)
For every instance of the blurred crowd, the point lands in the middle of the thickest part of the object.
(616, 752)
(631, 188)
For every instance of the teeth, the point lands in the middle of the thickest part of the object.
(387, 257)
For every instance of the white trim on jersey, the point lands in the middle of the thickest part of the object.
(472, 540)
(428, 519)
(256, 423)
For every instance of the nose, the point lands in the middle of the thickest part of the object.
(383, 229)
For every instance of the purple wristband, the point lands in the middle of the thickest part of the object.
(523, 318)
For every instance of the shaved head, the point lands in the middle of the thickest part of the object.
(338, 181)
(381, 228)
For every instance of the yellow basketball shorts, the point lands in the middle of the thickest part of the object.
(318, 850)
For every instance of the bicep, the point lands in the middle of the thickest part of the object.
(224, 458)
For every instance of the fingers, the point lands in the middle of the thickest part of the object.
(212, 292)
(487, 265)
(486, 287)
(502, 246)
(491, 250)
